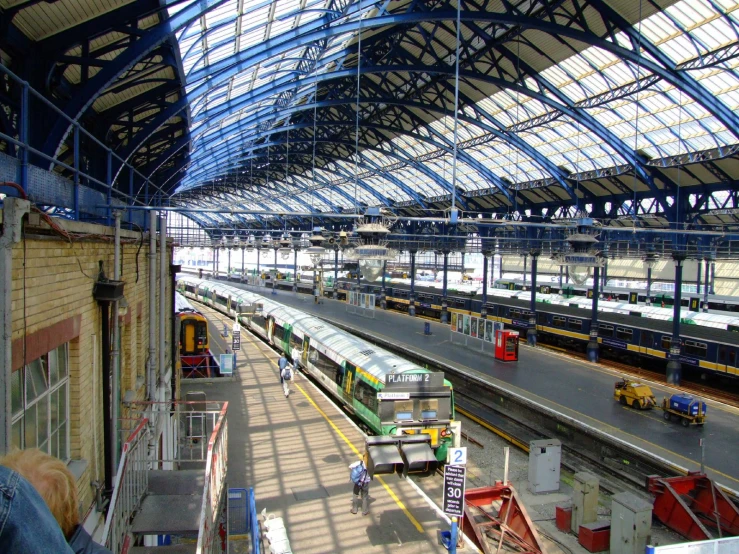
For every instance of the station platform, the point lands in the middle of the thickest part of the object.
(295, 452)
(579, 389)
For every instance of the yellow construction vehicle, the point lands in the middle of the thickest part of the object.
(636, 395)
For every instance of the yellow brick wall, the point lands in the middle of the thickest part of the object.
(52, 281)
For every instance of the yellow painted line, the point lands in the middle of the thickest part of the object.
(492, 429)
(392, 494)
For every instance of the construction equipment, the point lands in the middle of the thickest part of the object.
(684, 408)
(636, 395)
(693, 506)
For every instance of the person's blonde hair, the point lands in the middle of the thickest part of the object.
(53, 481)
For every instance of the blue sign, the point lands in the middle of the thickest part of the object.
(227, 362)
(615, 343)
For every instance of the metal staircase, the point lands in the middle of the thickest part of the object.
(171, 481)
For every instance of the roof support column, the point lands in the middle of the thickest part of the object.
(649, 285)
(411, 296)
(483, 309)
(705, 289)
(295, 270)
(383, 299)
(593, 348)
(531, 332)
(274, 281)
(674, 367)
(444, 304)
(336, 273)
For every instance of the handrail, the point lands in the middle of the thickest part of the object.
(118, 513)
(215, 478)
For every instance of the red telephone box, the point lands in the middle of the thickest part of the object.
(506, 346)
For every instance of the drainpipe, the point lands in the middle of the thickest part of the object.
(163, 271)
(13, 211)
(115, 352)
(151, 378)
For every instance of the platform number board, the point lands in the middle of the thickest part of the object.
(458, 456)
(454, 482)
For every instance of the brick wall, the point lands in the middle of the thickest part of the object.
(52, 303)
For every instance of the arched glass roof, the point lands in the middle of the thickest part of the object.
(570, 101)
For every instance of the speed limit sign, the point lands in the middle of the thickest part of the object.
(454, 482)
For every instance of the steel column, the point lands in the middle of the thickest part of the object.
(13, 211)
(561, 271)
(242, 264)
(163, 270)
(605, 275)
(674, 367)
(215, 249)
(336, 273)
(531, 332)
(115, 351)
(274, 281)
(76, 164)
(593, 348)
(411, 296)
(130, 193)
(713, 278)
(483, 309)
(295, 270)
(649, 286)
(109, 182)
(383, 299)
(228, 274)
(525, 260)
(24, 138)
(259, 252)
(698, 277)
(444, 303)
(705, 289)
(151, 363)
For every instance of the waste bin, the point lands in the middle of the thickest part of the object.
(427, 328)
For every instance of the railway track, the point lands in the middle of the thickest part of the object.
(694, 389)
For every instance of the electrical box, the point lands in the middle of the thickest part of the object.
(544, 461)
(584, 500)
(631, 524)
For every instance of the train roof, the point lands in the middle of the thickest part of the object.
(661, 326)
(181, 304)
(370, 358)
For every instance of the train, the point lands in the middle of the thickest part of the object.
(194, 344)
(387, 394)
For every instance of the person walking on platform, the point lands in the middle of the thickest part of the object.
(361, 479)
(281, 365)
(286, 375)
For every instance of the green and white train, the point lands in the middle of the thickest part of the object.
(389, 395)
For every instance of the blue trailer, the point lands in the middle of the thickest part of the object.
(684, 408)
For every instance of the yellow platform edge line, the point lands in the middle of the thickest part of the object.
(392, 494)
(486, 425)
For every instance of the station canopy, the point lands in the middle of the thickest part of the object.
(560, 103)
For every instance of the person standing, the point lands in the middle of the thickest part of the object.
(281, 365)
(361, 478)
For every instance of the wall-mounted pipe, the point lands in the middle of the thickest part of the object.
(163, 271)
(13, 211)
(151, 379)
(115, 352)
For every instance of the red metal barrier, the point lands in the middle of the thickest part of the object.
(693, 506)
(495, 516)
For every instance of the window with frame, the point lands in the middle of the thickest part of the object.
(694, 348)
(558, 321)
(605, 330)
(40, 404)
(666, 342)
(364, 393)
(574, 324)
(624, 334)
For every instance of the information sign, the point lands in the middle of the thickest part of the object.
(227, 364)
(236, 340)
(416, 380)
(458, 456)
(454, 481)
(393, 395)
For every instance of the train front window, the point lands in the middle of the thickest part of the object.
(202, 333)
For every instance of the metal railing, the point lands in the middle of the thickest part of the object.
(129, 488)
(253, 524)
(213, 507)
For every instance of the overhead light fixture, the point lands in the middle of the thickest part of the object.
(316, 251)
(582, 254)
(372, 251)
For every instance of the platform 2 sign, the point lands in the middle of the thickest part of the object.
(414, 381)
(454, 482)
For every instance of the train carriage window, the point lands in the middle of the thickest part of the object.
(365, 394)
(278, 332)
(542, 319)
(694, 348)
(296, 343)
(732, 357)
(666, 342)
(624, 334)
(260, 321)
(558, 321)
(324, 364)
(605, 330)
(574, 324)
(221, 299)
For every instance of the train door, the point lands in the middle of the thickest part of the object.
(270, 329)
(726, 359)
(348, 382)
(306, 349)
(189, 337)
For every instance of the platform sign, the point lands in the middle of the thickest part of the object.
(454, 482)
(695, 304)
(633, 298)
(393, 396)
(236, 340)
(590, 294)
(458, 456)
(227, 364)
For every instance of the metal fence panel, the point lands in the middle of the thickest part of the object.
(238, 511)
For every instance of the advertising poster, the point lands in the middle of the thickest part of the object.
(467, 325)
(459, 323)
(372, 301)
(473, 330)
(489, 331)
(351, 298)
(454, 321)
(365, 301)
